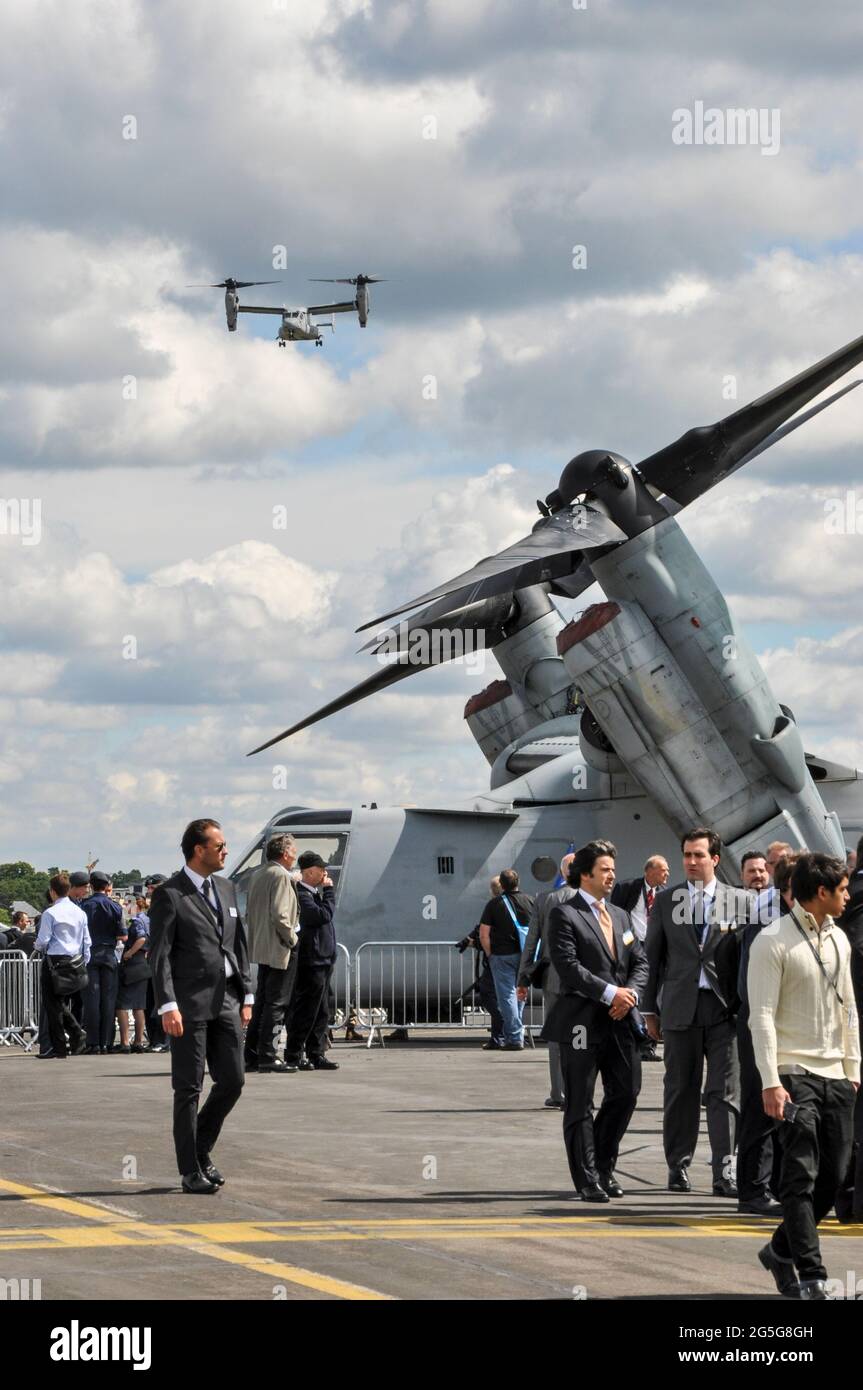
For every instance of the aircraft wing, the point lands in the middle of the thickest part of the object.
(348, 306)
(703, 456)
(260, 309)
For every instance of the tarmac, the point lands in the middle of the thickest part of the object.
(427, 1170)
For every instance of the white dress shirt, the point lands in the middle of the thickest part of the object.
(198, 880)
(596, 903)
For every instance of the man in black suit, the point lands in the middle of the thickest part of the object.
(202, 985)
(308, 1022)
(691, 950)
(602, 968)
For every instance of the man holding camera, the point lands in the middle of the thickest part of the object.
(804, 1029)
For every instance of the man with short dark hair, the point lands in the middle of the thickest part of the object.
(203, 991)
(63, 934)
(804, 1028)
(753, 871)
(502, 932)
(757, 1160)
(107, 931)
(272, 915)
(693, 962)
(602, 968)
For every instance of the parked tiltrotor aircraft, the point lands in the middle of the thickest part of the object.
(646, 715)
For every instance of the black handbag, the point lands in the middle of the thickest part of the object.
(68, 974)
(133, 971)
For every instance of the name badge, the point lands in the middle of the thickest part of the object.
(232, 911)
(628, 937)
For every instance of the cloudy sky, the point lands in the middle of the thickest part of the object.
(462, 150)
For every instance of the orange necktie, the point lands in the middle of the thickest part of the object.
(607, 927)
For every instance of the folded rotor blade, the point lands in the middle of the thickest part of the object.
(697, 460)
(546, 554)
(411, 652)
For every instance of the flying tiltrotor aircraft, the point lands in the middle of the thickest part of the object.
(645, 715)
(298, 325)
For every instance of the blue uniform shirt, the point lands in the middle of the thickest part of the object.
(105, 920)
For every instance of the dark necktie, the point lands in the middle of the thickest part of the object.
(212, 902)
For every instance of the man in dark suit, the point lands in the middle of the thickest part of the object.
(535, 968)
(202, 986)
(637, 896)
(693, 959)
(308, 1021)
(602, 968)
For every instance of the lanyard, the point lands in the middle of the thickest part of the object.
(821, 965)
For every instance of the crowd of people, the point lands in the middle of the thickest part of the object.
(754, 993)
(750, 991)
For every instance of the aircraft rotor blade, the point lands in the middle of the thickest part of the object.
(699, 459)
(546, 554)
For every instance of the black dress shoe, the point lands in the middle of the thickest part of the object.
(44, 1056)
(760, 1206)
(812, 1290)
(725, 1188)
(593, 1193)
(275, 1066)
(783, 1271)
(492, 1047)
(552, 1104)
(323, 1064)
(197, 1184)
(608, 1182)
(513, 1047)
(678, 1180)
(91, 1052)
(251, 1063)
(211, 1172)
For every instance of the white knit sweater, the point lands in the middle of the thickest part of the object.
(795, 1018)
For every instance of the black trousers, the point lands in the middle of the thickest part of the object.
(59, 1016)
(155, 1032)
(310, 1011)
(849, 1198)
(272, 996)
(815, 1152)
(488, 999)
(100, 1003)
(757, 1137)
(711, 1036)
(218, 1042)
(592, 1145)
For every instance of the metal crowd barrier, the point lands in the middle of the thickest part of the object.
(16, 1016)
(423, 984)
(340, 983)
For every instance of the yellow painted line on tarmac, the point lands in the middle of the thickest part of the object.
(112, 1229)
(215, 1235)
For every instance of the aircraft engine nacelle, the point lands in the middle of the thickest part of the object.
(232, 301)
(685, 705)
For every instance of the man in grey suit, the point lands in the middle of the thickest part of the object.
(272, 914)
(530, 967)
(690, 951)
